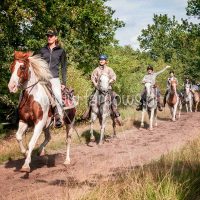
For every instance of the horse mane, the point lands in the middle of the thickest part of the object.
(40, 68)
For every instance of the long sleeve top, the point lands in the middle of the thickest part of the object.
(96, 74)
(55, 57)
(151, 78)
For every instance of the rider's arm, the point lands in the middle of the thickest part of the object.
(161, 71)
(94, 77)
(112, 76)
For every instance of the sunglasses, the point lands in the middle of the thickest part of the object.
(50, 36)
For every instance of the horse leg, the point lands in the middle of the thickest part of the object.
(47, 138)
(46, 141)
(37, 131)
(151, 116)
(155, 117)
(68, 142)
(180, 109)
(103, 125)
(174, 112)
(186, 105)
(93, 118)
(142, 119)
(21, 130)
(114, 127)
(196, 106)
(191, 105)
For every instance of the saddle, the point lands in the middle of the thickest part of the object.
(68, 98)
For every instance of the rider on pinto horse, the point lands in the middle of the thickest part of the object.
(151, 78)
(96, 74)
(171, 77)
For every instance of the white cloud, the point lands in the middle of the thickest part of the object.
(137, 14)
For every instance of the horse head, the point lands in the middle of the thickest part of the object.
(103, 83)
(19, 71)
(173, 85)
(187, 89)
(149, 90)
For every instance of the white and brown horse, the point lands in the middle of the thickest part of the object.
(31, 74)
(196, 98)
(173, 100)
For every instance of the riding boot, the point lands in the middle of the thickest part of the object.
(139, 107)
(57, 117)
(117, 118)
(159, 105)
(87, 113)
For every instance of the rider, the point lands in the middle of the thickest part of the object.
(188, 81)
(170, 78)
(55, 56)
(104, 69)
(151, 78)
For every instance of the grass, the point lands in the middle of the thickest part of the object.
(175, 176)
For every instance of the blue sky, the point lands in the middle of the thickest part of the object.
(137, 14)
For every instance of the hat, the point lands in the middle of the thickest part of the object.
(103, 57)
(171, 72)
(52, 32)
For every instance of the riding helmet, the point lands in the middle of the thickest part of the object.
(103, 57)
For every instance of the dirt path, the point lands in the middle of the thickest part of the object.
(50, 180)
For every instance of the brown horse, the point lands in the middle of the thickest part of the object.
(173, 100)
(31, 74)
(196, 97)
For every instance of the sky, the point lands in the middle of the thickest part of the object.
(137, 14)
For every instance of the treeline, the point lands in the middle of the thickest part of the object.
(86, 29)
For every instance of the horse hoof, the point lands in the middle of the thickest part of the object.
(156, 125)
(25, 169)
(100, 143)
(150, 129)
(66, 163)
(92, 139)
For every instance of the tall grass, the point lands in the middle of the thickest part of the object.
(175, 176)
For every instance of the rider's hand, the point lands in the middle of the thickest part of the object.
(167, 66)
(63, 87)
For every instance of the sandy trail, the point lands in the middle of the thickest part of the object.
(90, 165)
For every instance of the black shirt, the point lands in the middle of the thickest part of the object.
(55, 57)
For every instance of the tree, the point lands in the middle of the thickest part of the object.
(85, 28)
(193, 8)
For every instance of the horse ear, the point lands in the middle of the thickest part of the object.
(28, 54)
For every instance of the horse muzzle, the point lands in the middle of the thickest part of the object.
(13, 87)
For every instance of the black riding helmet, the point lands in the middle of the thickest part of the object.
(171, 72)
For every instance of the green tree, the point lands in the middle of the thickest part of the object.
(85, 29)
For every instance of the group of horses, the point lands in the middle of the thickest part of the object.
(31, 74)
(175, 100)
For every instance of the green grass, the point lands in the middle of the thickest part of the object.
(175, 176)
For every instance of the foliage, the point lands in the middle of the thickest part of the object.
(168, 39)
(193, 8)
(85, 28)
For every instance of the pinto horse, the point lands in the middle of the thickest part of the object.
(173, 100)
(196, 96)
(31, 74)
